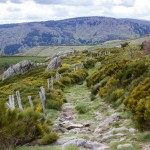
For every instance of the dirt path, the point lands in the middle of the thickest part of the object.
(100, 128)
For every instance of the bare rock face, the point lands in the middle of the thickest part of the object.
(146, 47)
(18, 68)
(54, 63)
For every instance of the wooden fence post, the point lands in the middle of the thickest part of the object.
(19, 100)
(11, 103)
(30, 101)
(48, 83)
(57, 77)
(52, 82)
(42, 97)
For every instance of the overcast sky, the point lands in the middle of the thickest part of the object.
(14, 11)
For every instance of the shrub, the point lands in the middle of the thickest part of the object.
(139, 103)
(59, 85)
(66, 80)
(77, 76)
(89, 63)
(93, 79)
(82, 108)
(96, 87)
(115, 95)
(49, 138)
(124, 44)
(49, 74)
(105, 90)
(18, 127)
(62, 69)
(65, 65)
(53, 104)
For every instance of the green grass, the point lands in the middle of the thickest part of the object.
(143, 137)
(38, 148)
(71, 147)
(114, 145)
(82, 108)
(6, 61)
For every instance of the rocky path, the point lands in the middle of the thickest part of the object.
(97, 129)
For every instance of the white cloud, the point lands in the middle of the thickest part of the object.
(14, 11)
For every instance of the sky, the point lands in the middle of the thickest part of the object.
(17, 11)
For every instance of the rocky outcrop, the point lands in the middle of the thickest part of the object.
(54, 63)
(18, 68)
(146, 47)
(59, 54)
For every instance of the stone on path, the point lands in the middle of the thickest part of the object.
(80, 142)
(72, 126)
(121, 146)
(112, 118)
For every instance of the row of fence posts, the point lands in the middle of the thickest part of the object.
(11, 103)
(50, 82)
(98, 54)
(42, 94)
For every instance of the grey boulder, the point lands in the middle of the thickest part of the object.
(54, 63)
(18, 68)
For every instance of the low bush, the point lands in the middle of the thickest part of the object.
(66, 80)
(18, 128)
(63, 69)
(89, 63)
(49, 138)
(95, 88)
(54, 104)
(139, 103)
(115, 95)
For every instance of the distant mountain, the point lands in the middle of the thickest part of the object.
(15, 38)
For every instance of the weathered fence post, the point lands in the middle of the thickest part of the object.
(48, 83)
(11, 103)
(81, 65)
(76, 68)
(43, 92)
(30, 101)
(42, 101)
(42, 97)
(91, 55)
(57, 77)
(52, 82)
(19, 100)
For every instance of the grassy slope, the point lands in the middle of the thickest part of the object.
(6, 61)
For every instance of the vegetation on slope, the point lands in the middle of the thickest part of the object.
(122, 79)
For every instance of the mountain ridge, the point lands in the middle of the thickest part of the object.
(16, 38)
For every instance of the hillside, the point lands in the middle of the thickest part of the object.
(99, 101)
(51, 50)
(15, 38)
